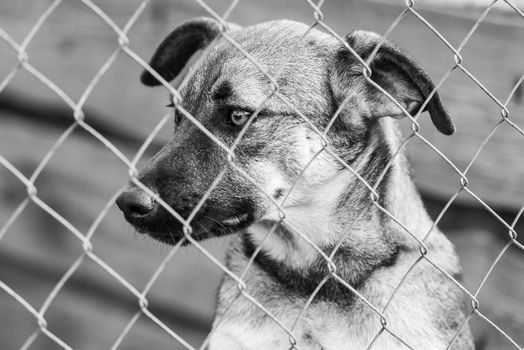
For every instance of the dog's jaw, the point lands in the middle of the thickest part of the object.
(203, 226)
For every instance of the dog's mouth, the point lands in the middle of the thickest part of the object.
(167, 229)
(235, 220)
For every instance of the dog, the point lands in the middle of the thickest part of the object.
(328, 208)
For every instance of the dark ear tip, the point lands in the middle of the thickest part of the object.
(176, 49)
(440, 116)
(448, 129)
(444, 124)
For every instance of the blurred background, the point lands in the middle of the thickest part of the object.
(93, 308)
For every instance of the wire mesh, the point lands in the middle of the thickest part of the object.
(80, 121)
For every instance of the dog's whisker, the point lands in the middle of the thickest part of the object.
(214, 220)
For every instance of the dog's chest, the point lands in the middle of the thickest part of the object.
(308, 334)
(322, 327)
(243, 324)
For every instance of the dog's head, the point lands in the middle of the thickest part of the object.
(315, 74)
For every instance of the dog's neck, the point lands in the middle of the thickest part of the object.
(350, 229)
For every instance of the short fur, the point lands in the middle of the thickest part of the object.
(328, 203)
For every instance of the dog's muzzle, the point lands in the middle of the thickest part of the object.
(149, 217)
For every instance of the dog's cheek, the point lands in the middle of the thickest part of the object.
(289, 162)
(315, 165)
(268, 159)
(270, 179)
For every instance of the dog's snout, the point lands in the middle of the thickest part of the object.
(135, 203)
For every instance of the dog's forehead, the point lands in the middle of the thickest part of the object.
(276, 36)
(275, 41)
(283, 48)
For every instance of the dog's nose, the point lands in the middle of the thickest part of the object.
(135, 203)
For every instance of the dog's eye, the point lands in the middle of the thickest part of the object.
(177, 118)
(238, 117)
(177, 115)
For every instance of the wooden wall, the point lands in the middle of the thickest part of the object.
(80, 179)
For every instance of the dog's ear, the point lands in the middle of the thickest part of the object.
(177, 48)
(393, 70)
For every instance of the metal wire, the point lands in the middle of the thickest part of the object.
(78, 120)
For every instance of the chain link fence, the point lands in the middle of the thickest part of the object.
(79, 121)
